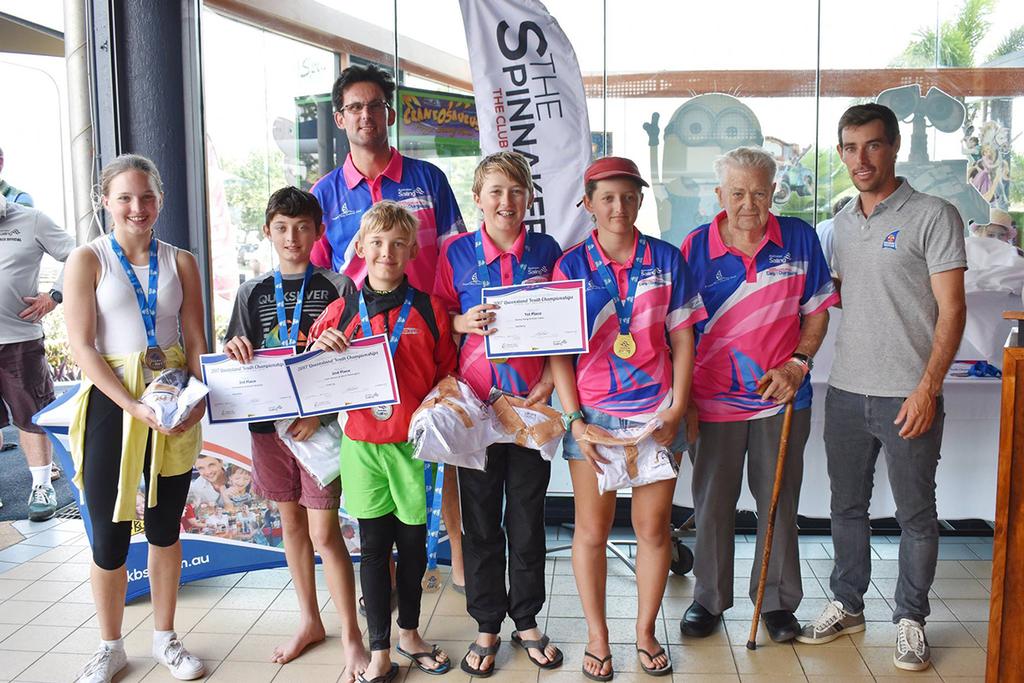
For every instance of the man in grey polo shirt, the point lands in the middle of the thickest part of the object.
(25, 383)
(899, 258)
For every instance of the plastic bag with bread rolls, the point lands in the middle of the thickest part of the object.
(634, 457)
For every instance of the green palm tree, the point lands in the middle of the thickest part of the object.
(958, 39)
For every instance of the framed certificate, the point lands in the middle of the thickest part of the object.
(538, 319)
(363, 376)
(249, 392)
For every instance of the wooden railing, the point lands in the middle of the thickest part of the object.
(1006, 616)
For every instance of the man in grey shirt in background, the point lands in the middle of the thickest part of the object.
(900, 260)
(25, 383)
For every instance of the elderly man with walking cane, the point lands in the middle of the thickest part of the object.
(767, 289)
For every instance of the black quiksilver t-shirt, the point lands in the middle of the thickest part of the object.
(255, 312)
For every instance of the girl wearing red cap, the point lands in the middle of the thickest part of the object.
(641, 306)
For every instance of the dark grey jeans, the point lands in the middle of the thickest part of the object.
(856, 428)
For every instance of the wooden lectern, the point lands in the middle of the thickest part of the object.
(1006, 616)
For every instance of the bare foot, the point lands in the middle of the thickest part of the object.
(598, 650)
(411, 642)
(357, 659)
(650, 644)
(474, 660)
(306, 636)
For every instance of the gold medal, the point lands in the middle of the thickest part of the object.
(155, 359)
(431, 581)
(625, 346)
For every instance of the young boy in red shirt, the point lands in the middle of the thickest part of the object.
(383, 483)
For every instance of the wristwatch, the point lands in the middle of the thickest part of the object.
(569, 418)
(57, 296)
(804, 360)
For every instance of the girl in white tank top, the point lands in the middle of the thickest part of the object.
(114, 437)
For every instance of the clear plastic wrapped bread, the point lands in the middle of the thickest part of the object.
(319, 454)
(538, 426)
(173, 395)
(634, 457)
(452, 426)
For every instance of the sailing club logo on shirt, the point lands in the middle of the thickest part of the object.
(889, 241)
(411, 192)
(778, 259)
(345, 212)
(720, 279)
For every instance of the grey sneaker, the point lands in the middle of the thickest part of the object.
(912, 651)
(42, 504)
(833, 622)
(103, 666)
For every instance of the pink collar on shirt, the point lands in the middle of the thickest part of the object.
(492, 251)
(717, 248)
(393, 170)
(608, 262)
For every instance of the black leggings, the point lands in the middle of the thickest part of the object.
(376, 538)
(101, 468)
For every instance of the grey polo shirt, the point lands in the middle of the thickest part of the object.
(25, 235)
(885, 263)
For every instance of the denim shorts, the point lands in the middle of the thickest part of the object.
(571, 450)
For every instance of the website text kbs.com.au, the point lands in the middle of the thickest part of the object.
(136, 574)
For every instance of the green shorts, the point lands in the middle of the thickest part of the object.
(379, 478)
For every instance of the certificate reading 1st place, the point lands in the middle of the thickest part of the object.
(249, 392)
(538, 319)
(362, 376)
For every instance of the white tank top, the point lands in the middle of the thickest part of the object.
(119, 326)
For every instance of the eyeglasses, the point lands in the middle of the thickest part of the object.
(356, 108)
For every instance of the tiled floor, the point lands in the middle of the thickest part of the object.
(48, 626)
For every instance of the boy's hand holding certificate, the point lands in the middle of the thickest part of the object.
(249, 392)
(538, 319)
(363, 376)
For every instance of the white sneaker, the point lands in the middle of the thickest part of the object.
(103, 666)
(833, 622)
(176, 658)
(912, 651)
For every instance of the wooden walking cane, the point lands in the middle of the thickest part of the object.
(780, 465)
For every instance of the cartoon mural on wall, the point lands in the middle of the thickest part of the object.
(700, 130)
(946, 178)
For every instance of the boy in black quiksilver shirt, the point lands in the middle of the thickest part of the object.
(277, 309)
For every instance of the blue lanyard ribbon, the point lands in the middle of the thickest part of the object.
(403, 315)
(518, 276)
(146, 299)
(290, 336)
(435, 488)
(623, 309)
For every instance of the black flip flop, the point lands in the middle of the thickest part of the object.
(481, 652)
(602, 661)
(386, 678)
(443, 667)
(527, 645)
(651, 670)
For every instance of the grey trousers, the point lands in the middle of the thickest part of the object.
(718, 460)
(856, 428)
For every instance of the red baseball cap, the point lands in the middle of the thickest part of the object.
(613, 167)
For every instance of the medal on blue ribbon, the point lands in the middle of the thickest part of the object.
(624, 345)
(383, 413)
(289, 336)
(435, 488)
(154, 357)
(518, 276)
